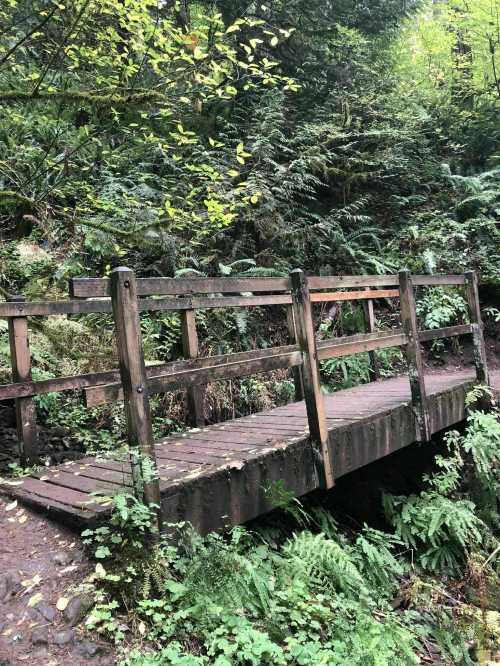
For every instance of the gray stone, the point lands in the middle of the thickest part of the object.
(77, 608)
(39, 654)
(63, 558)
(63, 637)
(40, 636)
(89, 649)
(46, 611)
(10, 584)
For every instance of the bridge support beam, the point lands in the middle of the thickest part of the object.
(135, 388)
(20, 358)
(313, 397)
(472, 294)
(414, 356)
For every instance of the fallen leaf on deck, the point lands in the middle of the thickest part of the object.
(62, 602)
(35, 599)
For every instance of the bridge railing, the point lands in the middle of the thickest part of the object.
(125, 296)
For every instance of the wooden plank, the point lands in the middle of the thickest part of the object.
(414, 355)
(437, 280)
(72, 498)
(297, 370)
(20, 359)
(134, 382)
(446, 332)
(49, 308)
(158, 384)
(360, 343)
(327, 296)
(195, 395)
(98, 287)
(341, 281)
(472, 294)
(23, 389)
(310, 374)
(77, 481)
(103, 305)
(371, 327)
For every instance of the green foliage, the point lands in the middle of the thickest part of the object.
(442, 525)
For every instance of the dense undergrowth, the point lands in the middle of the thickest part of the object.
(306, 588)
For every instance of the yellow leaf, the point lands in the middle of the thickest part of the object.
(62, 602)
(274, 41)
(35, 599)
(232, 28)
(23, 519)
(142, 628)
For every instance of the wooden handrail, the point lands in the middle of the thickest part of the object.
(296, 293)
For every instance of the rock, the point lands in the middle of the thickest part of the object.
(38, 655)
(63, 637)
(78, 556)
(77, 608)
(89, 649)
(62, 558)
(40, 636)
(46, 611)
(10, 584)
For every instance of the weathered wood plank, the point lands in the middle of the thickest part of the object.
(472, 294)
(327, 296)
(23, 389)
(414, 355)
(297, 370)
(446, 332)
(357, 344)
(103, 305)
(371, 327)
(99, 287)
(20, 359)
(195, 395)
(310, 373)
(202, 375)
(134, 383)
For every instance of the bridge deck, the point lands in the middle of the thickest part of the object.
(221, 474)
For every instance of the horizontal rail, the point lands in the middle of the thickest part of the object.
(437, 280)
(447, 332)
(357, 344)
(344, 281)
(48, 308)
(75, 382)
(100, 395)
(100, 287)
(326, 296)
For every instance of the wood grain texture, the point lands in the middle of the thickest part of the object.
(134, 383)
(472, 294)
(310, 372)
(414, 355)
(20, 359)
(195, 395)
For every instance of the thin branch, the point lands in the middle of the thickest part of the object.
(27, 36)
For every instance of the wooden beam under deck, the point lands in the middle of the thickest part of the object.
(220, 475)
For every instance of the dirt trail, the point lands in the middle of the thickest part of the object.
(40, 563)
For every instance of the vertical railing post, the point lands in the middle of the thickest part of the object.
(195, 395)
(20, 359)
(370, 327)
(472, 293)
(312, 388)
(296, 370)
(414, 355)
(134, 382)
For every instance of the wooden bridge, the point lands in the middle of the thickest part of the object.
(224, 474)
